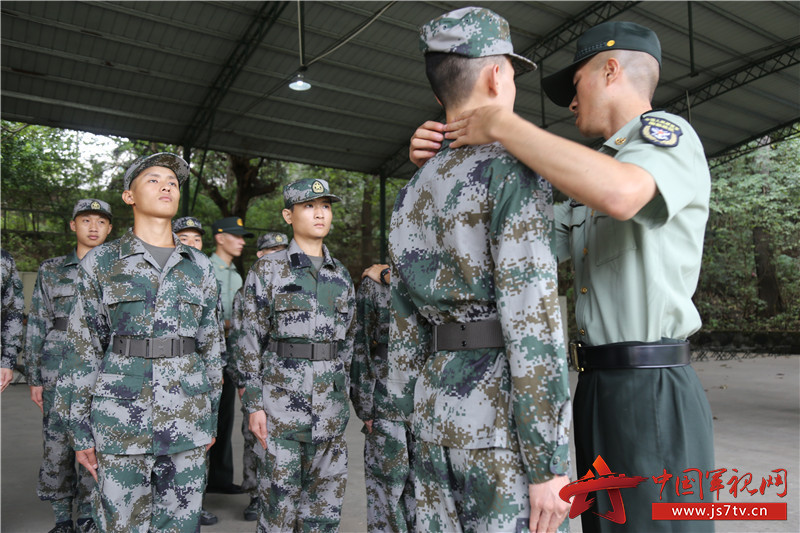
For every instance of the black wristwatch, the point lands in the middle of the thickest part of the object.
(383, 275)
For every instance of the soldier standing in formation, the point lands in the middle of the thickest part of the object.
(476, 347)
(147, 344)
(296, 347)
(13, 302)
(388, 443)
(189, 231)
(267, 243)
(52, 301)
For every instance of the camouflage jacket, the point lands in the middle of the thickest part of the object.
(53, 297)
(233, 359)
(13, 302)
(132, 405)
(368, 372)
(284, 300)
(472, 239)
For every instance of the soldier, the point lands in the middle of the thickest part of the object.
(13, 302)
(475, 345)
(52, 301)
(634, 231)
(388, 445)
(190, 231)
(296, 347)
(145, 332)
(229, 235)
(268, 243)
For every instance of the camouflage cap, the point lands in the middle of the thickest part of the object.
(161, 159)
(472, 32)
(183, 223)
(272, 239)
(91, 205)
(306, 189)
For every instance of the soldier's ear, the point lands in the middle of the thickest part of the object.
(127, 197)
(72, 225)
(287, 216)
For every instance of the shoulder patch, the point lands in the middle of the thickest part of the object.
(660, 131)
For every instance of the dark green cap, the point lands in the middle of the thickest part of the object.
(601, 38)
(232, 225)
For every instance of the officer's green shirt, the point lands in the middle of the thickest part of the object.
(229, 282)
(634, 279)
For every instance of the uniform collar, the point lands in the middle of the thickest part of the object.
(71, 258)
(130, 244)
(299, 259)
(219, 263)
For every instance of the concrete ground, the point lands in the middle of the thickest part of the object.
(756, 406)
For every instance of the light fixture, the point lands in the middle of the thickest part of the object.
(299, 83)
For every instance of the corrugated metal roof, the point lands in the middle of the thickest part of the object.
(215, 74)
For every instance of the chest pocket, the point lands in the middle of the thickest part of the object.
(342, 316)
(294, 315)
(611, 238)
(190, 311)
(127, 310)
(62, 296)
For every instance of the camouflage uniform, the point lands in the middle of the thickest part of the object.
(472, 240)
(286, 303)
(147, 417)
(389, 447)
(13, 302)
(53, 298)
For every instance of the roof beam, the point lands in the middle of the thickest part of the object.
(255, 33)
(734, 79)
(555, 40)
(765, 138)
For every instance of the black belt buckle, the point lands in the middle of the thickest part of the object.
(573, 355)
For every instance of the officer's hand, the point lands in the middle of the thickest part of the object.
(476, 126)
(210, 444)
(241, 392)
(88, 459)
(425, 142)
(368, 423)
(258, 427)
(548, 510)
(374, 272)
(36, 397)
(6, 375)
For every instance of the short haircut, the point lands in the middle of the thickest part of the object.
(453, 77)
(641, 68)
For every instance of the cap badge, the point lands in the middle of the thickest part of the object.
(278, 238)
(190, 222)
(317, 187)
(239, 222)
(95, 205)
(612, 42)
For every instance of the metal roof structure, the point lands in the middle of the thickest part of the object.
(215, 74)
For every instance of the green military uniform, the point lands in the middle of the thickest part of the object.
(13, 303)
(634, 283)
(148, 349)
(476, 354)
(389, 446)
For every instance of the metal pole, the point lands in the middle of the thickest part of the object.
(384, 245)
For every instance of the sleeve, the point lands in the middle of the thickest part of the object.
(362, 380)
(346, 346)
(562, 215)
(409, 341)
(233, 363)
(210, 340)
(40, 322)
(13, 306)
(523, 249)
(256, 322)
(88, 336)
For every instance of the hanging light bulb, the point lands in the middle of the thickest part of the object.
(299, 83)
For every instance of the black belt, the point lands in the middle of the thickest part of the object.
(314, 351)
(150, 348)
(60, 323)
(381, 349)
(468, 336)
(629, 355)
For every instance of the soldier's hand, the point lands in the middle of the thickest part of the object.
(210, 444)
(548, 510)
(368, 423)
(241, 392)
(258, 427)
(425, 142)
(88, 459)
(374, 272)
(6, 375)
(476, 126)
(36, 397)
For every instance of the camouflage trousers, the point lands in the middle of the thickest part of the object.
(249, 457)
(388, 455)
(478, 490)
(62, 481)
(301, 485)
(141, 493)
